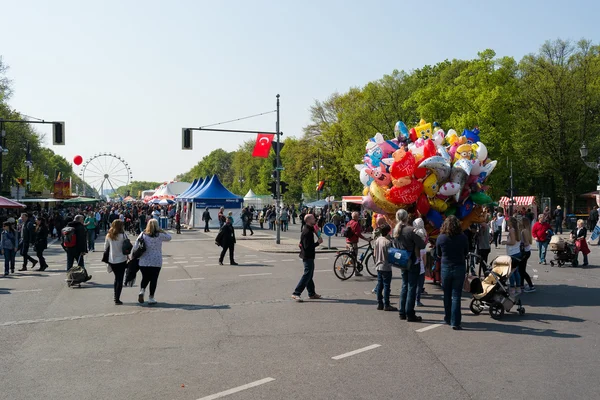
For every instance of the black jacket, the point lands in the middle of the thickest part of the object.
(28, 233)
(410, 241)
(307, 243)
(81, 235)
(226, 236)
(206, 216)
(41, 238)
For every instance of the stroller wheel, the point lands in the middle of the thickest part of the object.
(552, 263)
(496, 310)
(521, 310)
(476, 307)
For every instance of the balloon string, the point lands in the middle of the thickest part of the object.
(239, 119)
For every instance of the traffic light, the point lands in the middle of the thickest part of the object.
(274, 174)
(273, 189)
(283, 187)
(186, 139)
(58, 133)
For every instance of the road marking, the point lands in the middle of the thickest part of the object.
(535, 277)
(265, 273)
(351, 353)
(25, 291)
(186, 279)
(214, 257)
(211, 265)
(169, 267)
(269, 261)
(196, 257)
(250, 255)
(428, 328)
(323, 270)
(237, 389)
(177, 258)
(323, 258)
(180, 262)
(193, 266)
(286, 260)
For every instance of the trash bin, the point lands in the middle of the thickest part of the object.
(571, 221)
(163, 223)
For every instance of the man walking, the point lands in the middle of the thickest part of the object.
(558, 219)
(246, 220)
(75, 247)
(307, 254)
(28, 232)
(226, 239)
(206, 218)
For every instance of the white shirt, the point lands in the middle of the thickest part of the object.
(115, 255)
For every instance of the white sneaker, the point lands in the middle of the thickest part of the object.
(151, 300)
(297, 298)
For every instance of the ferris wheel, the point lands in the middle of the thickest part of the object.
(106, 171)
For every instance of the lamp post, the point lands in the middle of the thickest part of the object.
(594, 165)
(317, 166)
(3, 151)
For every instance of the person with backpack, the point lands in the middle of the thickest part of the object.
(353, 233)
(74, 242)
(27, 239)
(206, 218)
(117, 260)
(8, 247)
(226, 239)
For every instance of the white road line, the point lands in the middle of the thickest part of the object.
(428, 328)
(169, 267)
(265, 273)
(351, 353)
(214, 257)
(177, 258)
(323, 270)
(196, 257)
(287, 260)
(186, 279)
(180, 262)
(237, 389)
(193, 266)
(323, 258)
(25, 291)
(269, 261)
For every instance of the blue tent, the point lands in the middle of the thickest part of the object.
(214, 193)
(192, 193)
(190, 189)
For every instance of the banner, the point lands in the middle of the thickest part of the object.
(263, 145)
(62, 189)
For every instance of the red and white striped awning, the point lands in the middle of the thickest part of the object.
(519, 200)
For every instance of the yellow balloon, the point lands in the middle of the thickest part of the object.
(438, 204)
(366, 191)
(378, 195)
(430, 185)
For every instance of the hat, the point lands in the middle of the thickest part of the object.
(558, 207)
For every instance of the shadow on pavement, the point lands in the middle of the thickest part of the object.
(563, 296)
(503, 327)
(186, 307)
(240, 265)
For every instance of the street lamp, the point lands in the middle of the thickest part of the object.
(317, 166)
(583, 150)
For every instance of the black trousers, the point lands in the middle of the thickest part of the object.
(523, 269)
(119, 271)
(150, 276)
(247, 226)
(496, 237)
(483, 253)
(27, 257)
(40, 255)
(225, 248)
(206, 226)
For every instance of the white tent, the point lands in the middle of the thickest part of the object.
(252, 199)
(171, 189)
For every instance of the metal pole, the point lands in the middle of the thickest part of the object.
(27, 157)
(3, 141)
(278, 179)
(318, 173)
(510, 208)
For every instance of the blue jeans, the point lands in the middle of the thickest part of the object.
(408, 292)
(306, 282)
(420, 286)
(542, 248)
(453, 278)
(91, 234)
(9, 259)
(384, 284)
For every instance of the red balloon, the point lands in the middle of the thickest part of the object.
(423, 205)
(77, 160)
(429, 149)
(406, 194)
(420, 173)
(404, 167)
(413, 134)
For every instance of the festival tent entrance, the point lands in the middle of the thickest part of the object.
(519, 203)
(185, 201)
(213, 195)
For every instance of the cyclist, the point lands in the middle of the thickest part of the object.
(353, 234)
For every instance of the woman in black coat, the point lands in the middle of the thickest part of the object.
(226, 239)
(41, 241)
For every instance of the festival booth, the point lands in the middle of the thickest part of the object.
(251, 199)
(147, 194)
(185, 200)
(519, 203)
(170, 190)
(214, 195)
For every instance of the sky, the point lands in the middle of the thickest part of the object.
(127, 75)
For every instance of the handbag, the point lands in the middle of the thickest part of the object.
(127, 246)
(105, 255)
(399, 257)
(141, 249)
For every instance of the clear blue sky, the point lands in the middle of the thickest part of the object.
(127, 75)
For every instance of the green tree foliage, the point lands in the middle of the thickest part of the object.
(136, 188)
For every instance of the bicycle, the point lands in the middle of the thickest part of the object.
(346, 263)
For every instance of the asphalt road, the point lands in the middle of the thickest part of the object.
(233, 332)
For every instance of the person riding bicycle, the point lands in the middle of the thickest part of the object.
(353, 234)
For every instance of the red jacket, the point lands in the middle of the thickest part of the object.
(540, 231)
(356, 231)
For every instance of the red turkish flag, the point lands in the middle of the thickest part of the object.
(263, 145)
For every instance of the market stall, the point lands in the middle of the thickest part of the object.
(213, 195)
(519, 203)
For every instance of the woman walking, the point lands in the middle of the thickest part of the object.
(8, 247)
(407, 239)
(452, 247)
(41, 241)
(513, 250)
(117, 261)
(527, 240)
(151, 260)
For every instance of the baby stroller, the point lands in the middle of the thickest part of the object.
(564, 251)
(492, 293)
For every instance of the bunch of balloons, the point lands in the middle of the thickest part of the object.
(427, 171)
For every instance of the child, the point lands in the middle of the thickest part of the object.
(379, 223)
(419, 229)
(384, 269)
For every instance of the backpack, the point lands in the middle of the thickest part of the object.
(69, 238)
(348, 232)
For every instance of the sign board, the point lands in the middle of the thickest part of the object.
(329, 229)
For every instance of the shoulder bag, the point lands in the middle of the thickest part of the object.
(141, 247)
(398, 257)
(127, 246)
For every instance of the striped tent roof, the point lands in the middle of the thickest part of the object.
(519, 200)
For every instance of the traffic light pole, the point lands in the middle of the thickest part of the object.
(278, 179)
